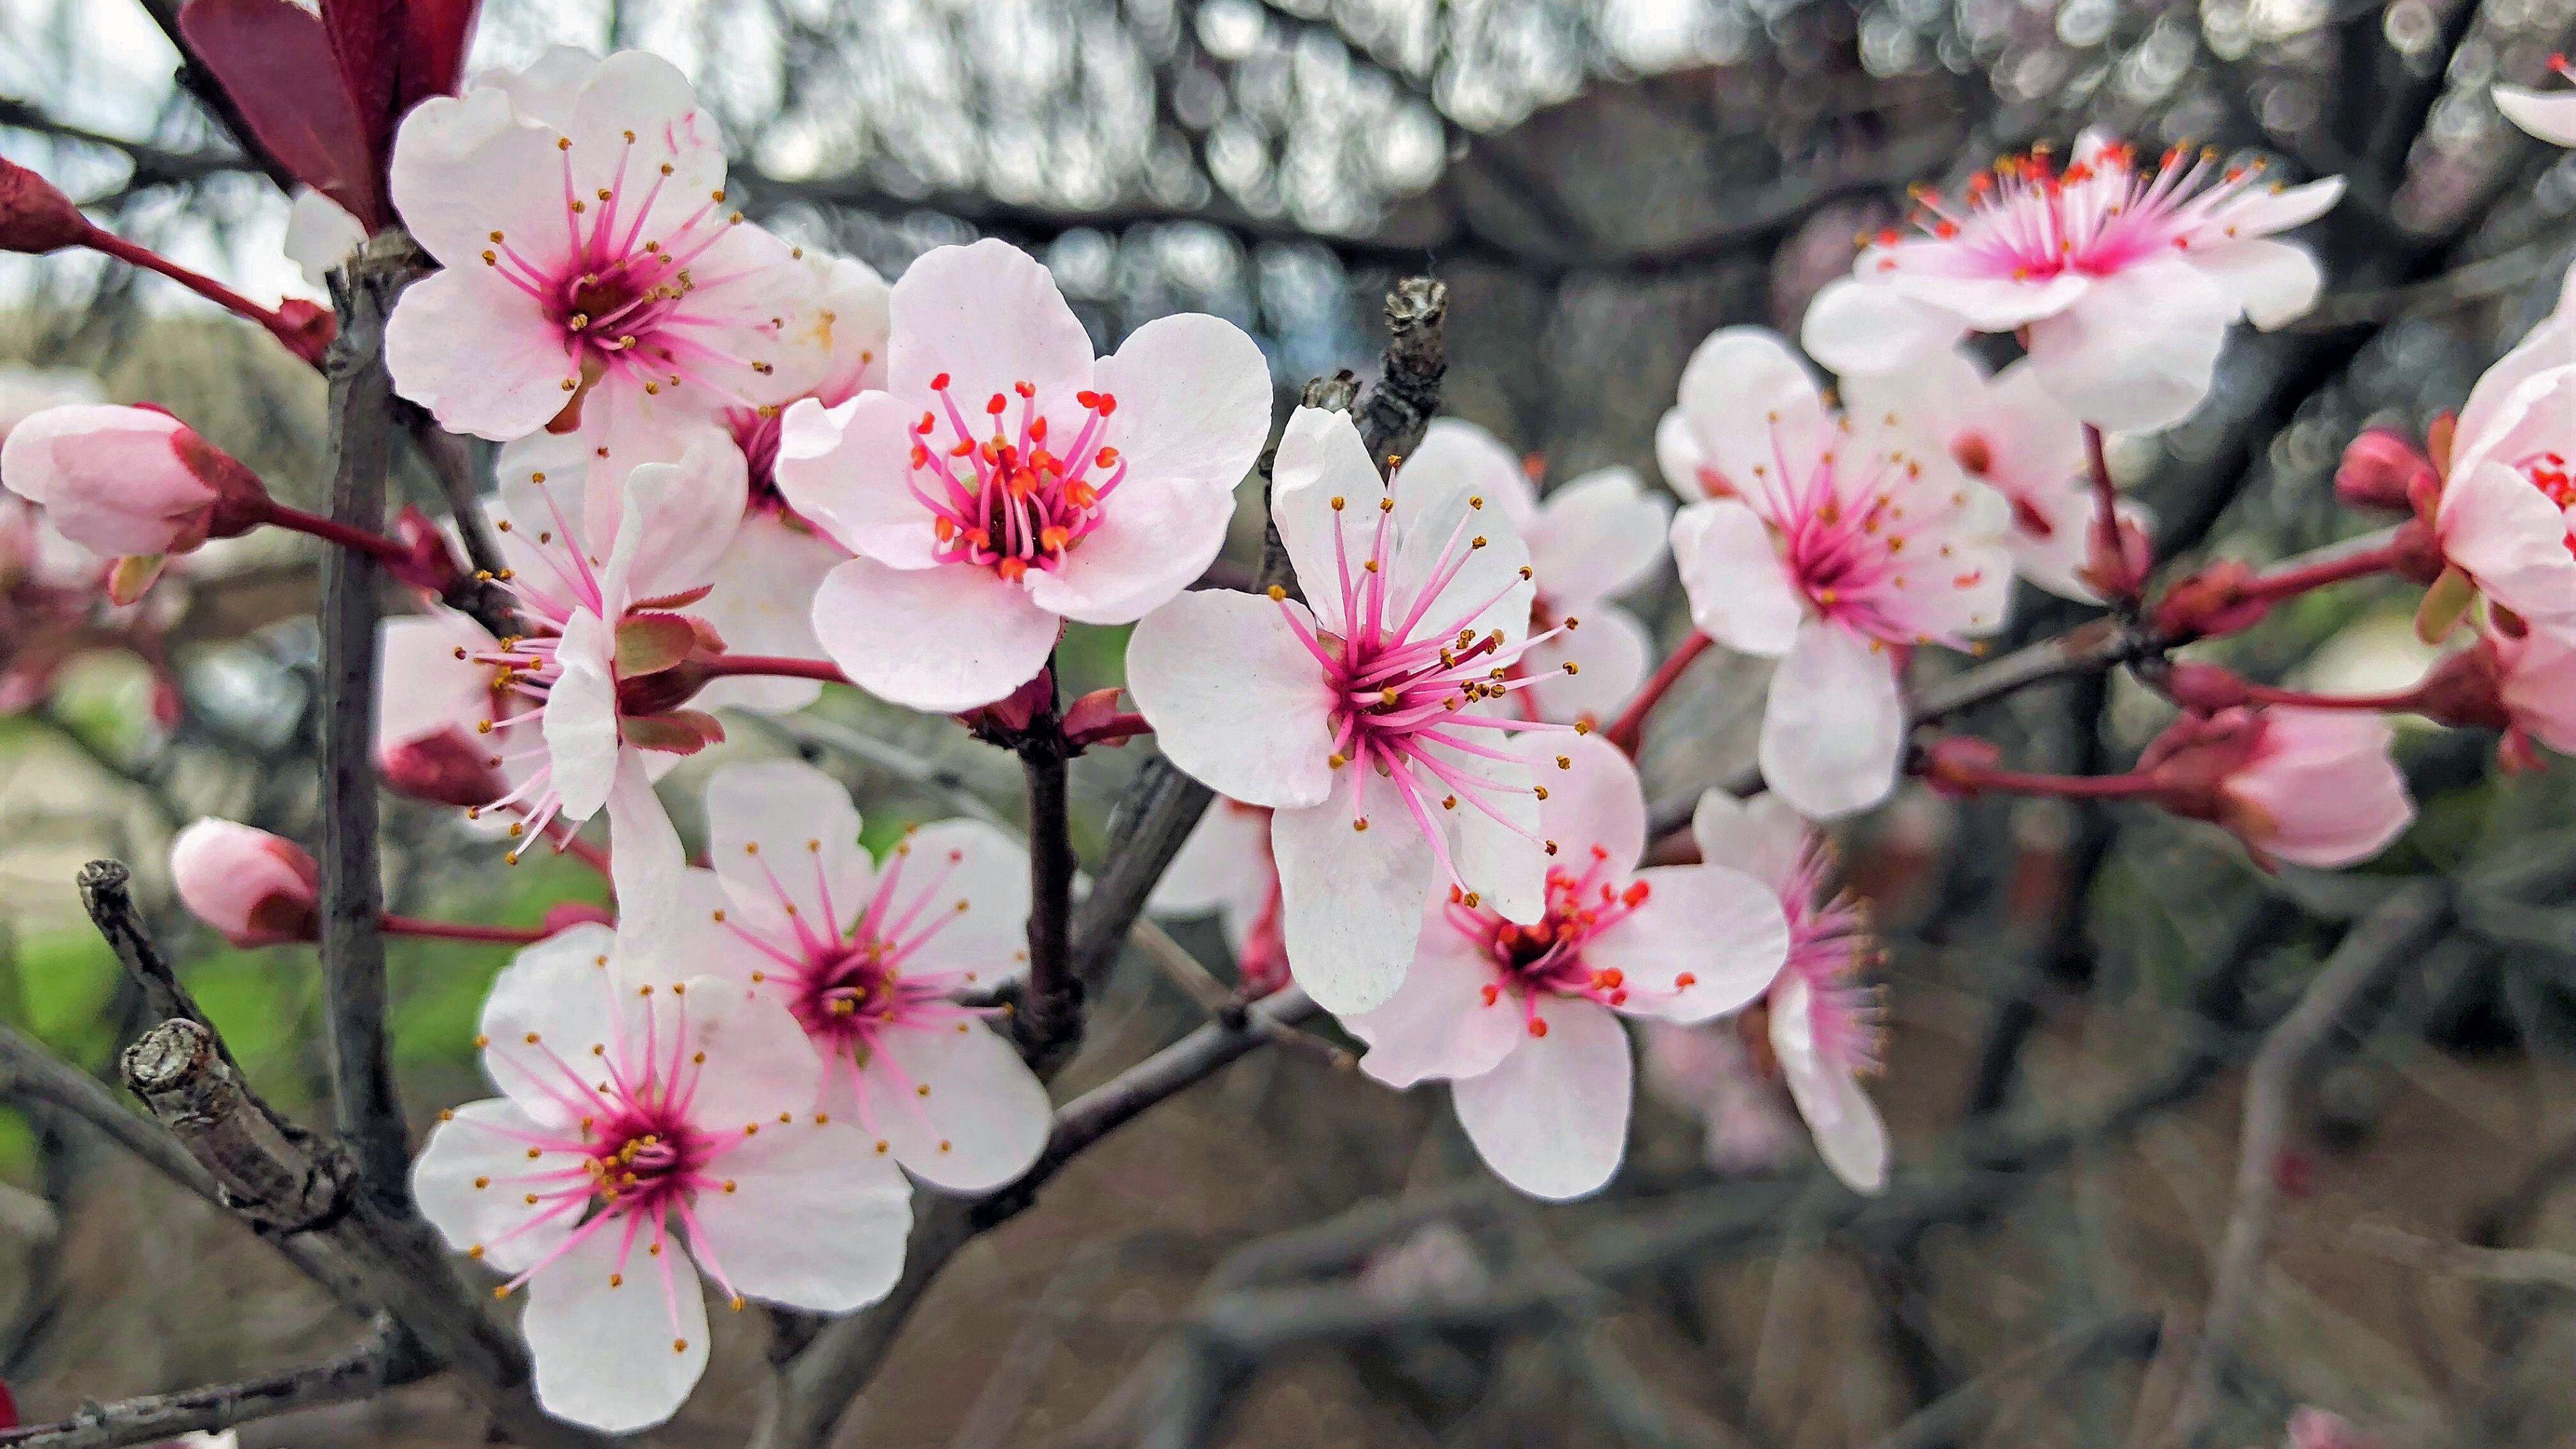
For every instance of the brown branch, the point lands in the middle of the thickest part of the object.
(152, 165)
(365, 1105)
(2389, 938)
(454, 465)
(1049, 1022)
(382, 1361)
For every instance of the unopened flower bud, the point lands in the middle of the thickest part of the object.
(35, 216)
(2383, 469)
(2313, 787)
(2206, 688)
(1955, 765)
(255, 888)
(129, 481)
(446, 767)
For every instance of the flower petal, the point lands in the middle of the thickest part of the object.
(2276, 283)
(1612, 654)
(983, 1119)
(816, 1219)
(1722, 928)
(1740, 591)
(847, 469)
(1598, 536)
(1833, 729)
(989, 316)
(939, 639)
(1439, 1023)
(1236, 700)
(1160, 532)
(1765, 837)
(1460, 457)
(1351, 900)
(982, 881)
(581, 717)
(1224, 865)
(479, 354)
(1552, 1119)
(763, 603)
(1597, 804)
(2138, 352)
(2551, 115)
(1753, 408)
(612, 1350)
(1321, 458)
(1193, 403)
(781, 833)
(1862, 327)
(1848, 1132)
(2511, 538)
(468, 1183)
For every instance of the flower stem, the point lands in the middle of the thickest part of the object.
(1120, 727)
(776, 665)
(1624, 731)
(331, 530)
(102, 240)
(2395, 701)
(1972, 778)
(2299, 579)
(2109, 557)
(394, 925)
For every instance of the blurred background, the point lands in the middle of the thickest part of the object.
(2072, 993)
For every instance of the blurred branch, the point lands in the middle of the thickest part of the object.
(382, 1361)
(2070, 1353)
(2478, 281)
(152, 165)
(2391, 937)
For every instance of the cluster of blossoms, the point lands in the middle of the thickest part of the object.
(734, 471)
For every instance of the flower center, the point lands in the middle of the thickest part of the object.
(645, 1159)
(2029, 221)
(1546, 957)
(846, 999)
(1003, 496)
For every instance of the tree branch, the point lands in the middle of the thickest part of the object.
(382, 1361)
(1049, 1023)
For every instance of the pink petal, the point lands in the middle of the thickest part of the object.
(2138, 353)
(782, 833)
(1848, 1132)
(1869, 327)
(1598, 536)
(2275, 282)
(1833, 730)
(1614, 655)
(846, 468)
(1458, 456)
(989, 316)
(817, 1220)
(1552, 1120)
(1765, 837)
(1754, 409)
(1159, 533)
(1721, 927)
(1352, 900)
(1321, 458)
(606, 1356)
(986, 887)
(479, 354)
(1439, 1023)
(2551, 116)
(1596, 803)
(1740, 591)
(984, 1118)
(1236, 700)
(941, 639)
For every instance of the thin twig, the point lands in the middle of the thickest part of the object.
(382, 1361)
(1049, 1021)
(2389, 938)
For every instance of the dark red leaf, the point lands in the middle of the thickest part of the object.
(277, 64)
(436, 35)
(367, 38)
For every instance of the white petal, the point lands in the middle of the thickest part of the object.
(1237, 701)
(485, 1143)
(1351, 900)
(1193, 401)
(2138, 353)
(581, 717)
(1460, 457)
(1859, 327)
(690, 509)
(1753, 408)
(984, 1118)
(1597, 803)
(780, 833)
(1764, 837)
(1439, 1023)
(1678, 456)
(2276, 283)
(646, 863)
(816, 1220)
(320, 235)
(1613, 655)
(981, 878)
(1223, 866)
(764, 604)
(1599, 535)
(1740, 591)
(847, 469)
(563, 992)
(1501, 856)
(1321, 458)
(616, 1358)
(1552, 1120)
(1833, 729)
(940, 639)
(478, 354)
(2551, 115)
(1721, 927)
(759, 1066)
(990, 316)
(1848, 1132)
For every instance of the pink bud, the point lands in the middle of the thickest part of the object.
(2206, 688)
(2314, 787)
(35, 216)
(1955, 765)
(308, 328)
(447, 767)
(2383, 469)
(129, 481)
(255, 888)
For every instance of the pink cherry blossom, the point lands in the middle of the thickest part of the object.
(31, 547)
(2314, 787)
(2536, 685)
(1522, 1019)
(1007, 481)
(2123, 280)
(646, 1136)
(2507, 515)
(255, 888)
(1224, 869)
(597, 277)
(129, 481)
(1832, 545)
(1354, 713)
(1591, 540)
(871, 960)
(2006, 432)
(2550, 115)
(581, 711)
(1825, 1022)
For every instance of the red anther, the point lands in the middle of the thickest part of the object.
(1054, 537)
(1087, 399)
(963, 448)
(1685, 981)
(1024, 389)
(938, 384)
(945, 527)
(1538, 1026)
(1492, 993)
(1013, 569)
(996, 405)
(1456, 895)
(1105, 458)
(1081, 495)
(1037, 430)
(920, 456)
(1946, 230)
(1108, 404)
(1610, 980)
(926, 424)
(1889, 237)
(1636, 892)
(1618, 998)
(1600, 852)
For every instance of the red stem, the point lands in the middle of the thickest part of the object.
(2303, 577)
(100, 239)
(2106, 517)
(394, 925)
(332, 530)
(1624, 731)
(2397, 701)
(779, 665)
(1961, 775)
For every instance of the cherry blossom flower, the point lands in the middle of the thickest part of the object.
(578, 714)
(32, 549)
(1825, 1024)
(1596, 537)
(1224, 869)
(2550, 115)
(320, 236)
(597, 279)
(870, 960)
(130, 482)
(645, 1136)
(1522, 1018)
(1707, 1072)
(1828, 544)
(2536, 685)
(253, 887)
(2314, 787)
(1007, 481)
(2506, 519)
(2123, 280)
(2006, 432)
(1352, 713)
